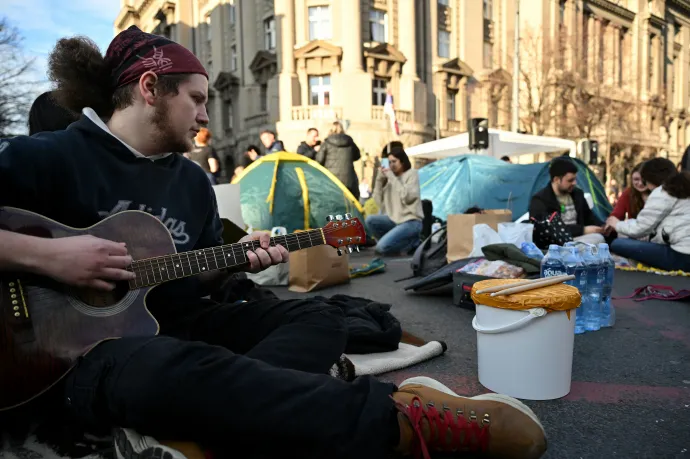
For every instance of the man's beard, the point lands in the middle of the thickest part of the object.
(165, 136)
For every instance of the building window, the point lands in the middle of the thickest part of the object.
(443, 2)
(270, 34)
(585, 45)
(450, 100)
(209, 30)
(621, 56)
(378, 26)
(319, 23)
(561, 13)
(488, 10)
(488, 54)
(263, 98)
(379, 91)
(228, 116)
(233, 58)
(320, 90)
(601, 52)
(443, 43)
(231, 14)
(650, 62)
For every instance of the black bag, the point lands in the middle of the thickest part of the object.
(549, 231)
(429, 257)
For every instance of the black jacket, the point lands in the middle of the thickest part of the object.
(685, 161)
(544, 203)
(337, 153)
(306, 150)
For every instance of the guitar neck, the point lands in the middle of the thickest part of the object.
(153, 271)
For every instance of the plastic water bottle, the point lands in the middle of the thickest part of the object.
(531, 250)
(574, 265)
(608, 313)
(595, 285)
(552, 263)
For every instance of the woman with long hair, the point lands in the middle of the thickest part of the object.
(397, 229)
(631, 202)
(664, 221)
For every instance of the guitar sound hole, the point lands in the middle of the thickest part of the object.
(102, 299)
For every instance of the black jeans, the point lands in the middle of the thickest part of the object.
(249, 375)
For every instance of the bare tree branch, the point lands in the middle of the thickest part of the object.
(16, 89)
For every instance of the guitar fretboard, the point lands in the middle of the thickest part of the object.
(153, 271)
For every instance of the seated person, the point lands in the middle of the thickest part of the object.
(249, 156)
(664, 220)
(253, 375)
(562, 196)
(633, 198)
(396, 192)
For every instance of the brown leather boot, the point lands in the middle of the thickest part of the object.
(433, 418)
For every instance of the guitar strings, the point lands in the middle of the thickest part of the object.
(158, 266)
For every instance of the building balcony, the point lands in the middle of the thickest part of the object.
(403, 116)
(257, 120)
(316, 112)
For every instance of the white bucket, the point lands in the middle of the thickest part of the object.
(526, 354)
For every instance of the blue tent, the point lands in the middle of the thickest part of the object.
(457, 183)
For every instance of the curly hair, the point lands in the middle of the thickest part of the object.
(82, 79)
(662, 172)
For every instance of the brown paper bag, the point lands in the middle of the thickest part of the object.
(460, 236)
(318, 267)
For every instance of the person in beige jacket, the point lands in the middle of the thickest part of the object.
(396, 192)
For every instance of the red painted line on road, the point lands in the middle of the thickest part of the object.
(579, 391)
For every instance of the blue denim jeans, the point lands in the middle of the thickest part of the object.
(651, 254)
(392, 239)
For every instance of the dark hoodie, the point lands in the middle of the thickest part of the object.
(337, 153)
(306, 150)
(82, 174)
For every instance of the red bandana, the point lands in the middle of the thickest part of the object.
(133, 52)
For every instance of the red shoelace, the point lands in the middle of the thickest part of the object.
(475, 438)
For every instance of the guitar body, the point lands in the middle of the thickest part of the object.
(45, 326)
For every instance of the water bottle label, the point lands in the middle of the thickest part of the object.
(553, 272)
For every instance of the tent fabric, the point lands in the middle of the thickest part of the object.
(292, 191)
(457, 183)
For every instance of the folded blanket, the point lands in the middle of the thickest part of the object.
(513, 255)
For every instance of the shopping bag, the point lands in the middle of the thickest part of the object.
(318, 267)
(460, 230)
(515, 233)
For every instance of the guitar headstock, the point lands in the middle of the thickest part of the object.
(344, 231)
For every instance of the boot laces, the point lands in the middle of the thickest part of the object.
(475, 438)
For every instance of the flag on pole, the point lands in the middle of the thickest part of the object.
(389, 109)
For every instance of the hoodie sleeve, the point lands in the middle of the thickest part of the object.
(29, 167)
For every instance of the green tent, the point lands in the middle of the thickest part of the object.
(291, 190)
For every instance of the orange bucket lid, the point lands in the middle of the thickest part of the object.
(557, 297)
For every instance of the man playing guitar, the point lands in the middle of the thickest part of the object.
(250, 374)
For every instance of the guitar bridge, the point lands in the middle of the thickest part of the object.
(16, 298)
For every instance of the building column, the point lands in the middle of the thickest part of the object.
(352, 74)
(288, 83)
(408, 46)
(351, 16)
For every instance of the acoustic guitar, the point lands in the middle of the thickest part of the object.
(46, 326)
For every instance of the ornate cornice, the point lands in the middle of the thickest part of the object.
(681, 5)
(614, 9)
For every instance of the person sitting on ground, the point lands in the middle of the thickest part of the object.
(664, 220)
(310, 146)
(271, 144)
(397, 229)
(46, 115)
(563, 197)
(253, 375)
(632, 200)
(337, 154)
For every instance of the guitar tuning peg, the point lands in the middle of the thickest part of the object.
(357, 248)
(338, 217)
(339, 251)
(348, 216)
(330, 218)
(350, 249)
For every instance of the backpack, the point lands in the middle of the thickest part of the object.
(428, 257)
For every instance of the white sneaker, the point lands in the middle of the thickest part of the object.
(131, 445)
